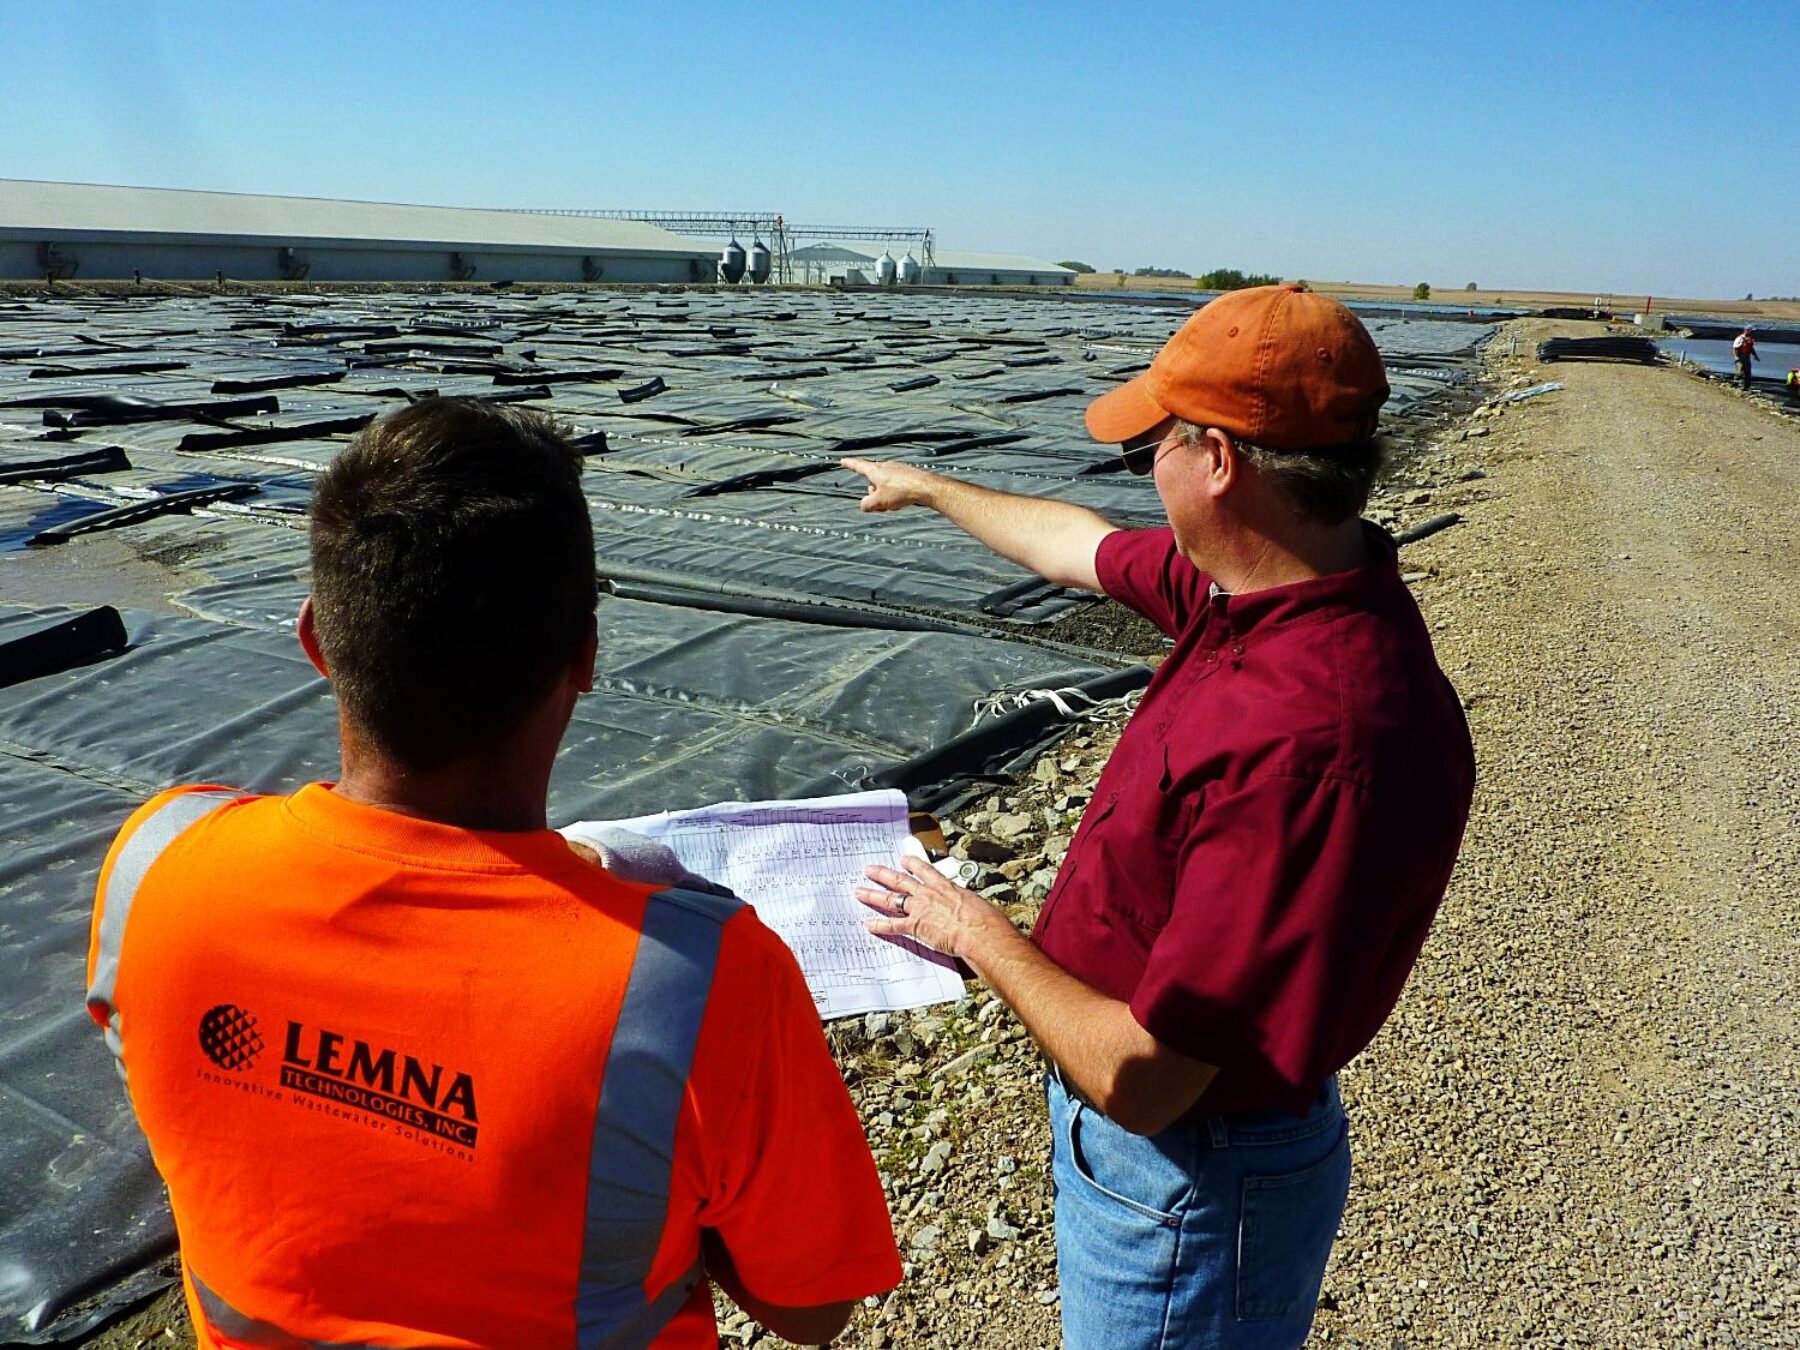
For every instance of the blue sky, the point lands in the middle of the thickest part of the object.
(1631, 148)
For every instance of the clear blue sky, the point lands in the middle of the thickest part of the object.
(1625, 147)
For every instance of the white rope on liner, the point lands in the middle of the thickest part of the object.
(1072, 704)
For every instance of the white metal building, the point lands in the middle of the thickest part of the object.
(858, 261)
(953, 267)
(95, 232)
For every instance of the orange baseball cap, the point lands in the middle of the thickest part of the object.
(1275, 365)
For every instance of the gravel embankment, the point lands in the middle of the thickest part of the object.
(1580, 1125)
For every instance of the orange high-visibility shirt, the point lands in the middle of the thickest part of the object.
(414, 1085)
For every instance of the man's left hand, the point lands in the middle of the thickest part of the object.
(920, 902)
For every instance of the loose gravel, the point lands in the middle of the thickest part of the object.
(1579, 1128)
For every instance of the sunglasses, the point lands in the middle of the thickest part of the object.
(1139, 457)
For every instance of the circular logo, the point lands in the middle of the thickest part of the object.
(229, 1037)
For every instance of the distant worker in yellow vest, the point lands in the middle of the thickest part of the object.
(1743, 347)
(1793, 384)
(416, 1072)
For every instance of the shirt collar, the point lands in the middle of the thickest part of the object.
(1359, 588)
(360, 828)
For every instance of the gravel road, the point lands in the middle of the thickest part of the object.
(1580, 1126)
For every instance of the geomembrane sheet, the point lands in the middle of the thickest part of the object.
(713, 420)
(781, 644)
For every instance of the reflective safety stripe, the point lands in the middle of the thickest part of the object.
(641, 1096)
(248, 1330)
(146, 844)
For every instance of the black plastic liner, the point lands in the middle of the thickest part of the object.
(762, 638)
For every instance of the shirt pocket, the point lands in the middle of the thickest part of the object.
(1144, 845)
(1073, 864)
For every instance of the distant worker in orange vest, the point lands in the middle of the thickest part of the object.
(416, 1072)
(1743, 347)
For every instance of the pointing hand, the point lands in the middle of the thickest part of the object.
(893, 485)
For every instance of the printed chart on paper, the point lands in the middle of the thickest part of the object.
(799, 862)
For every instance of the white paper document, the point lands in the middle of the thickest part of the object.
(798, 863)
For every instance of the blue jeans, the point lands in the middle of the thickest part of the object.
(1209, 1234)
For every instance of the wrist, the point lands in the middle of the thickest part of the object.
(928, 492)
(997, 946)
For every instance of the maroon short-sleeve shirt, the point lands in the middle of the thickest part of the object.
(1268, 845)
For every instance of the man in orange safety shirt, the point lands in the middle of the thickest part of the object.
(1743, 351)
(415, 1072)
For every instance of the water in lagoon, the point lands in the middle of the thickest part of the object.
(1773, 359)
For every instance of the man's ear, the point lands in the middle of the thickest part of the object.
(583, 669)
(309, 638)
(1223, 463)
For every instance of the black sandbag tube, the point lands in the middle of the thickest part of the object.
(771, 607)
(242, 436)
(108, 460)
(133, 512)
(1426, 528)
(101, 410)
(267, 382)
(1638, 349)
(649, 389)
(944, 773)
(61, 646)
(584, 375)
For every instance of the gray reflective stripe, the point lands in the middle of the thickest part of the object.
(237, 1326)
(641, 1095)
(146, 844)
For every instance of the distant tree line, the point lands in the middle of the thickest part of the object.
(1230, 279)
(1219, 279)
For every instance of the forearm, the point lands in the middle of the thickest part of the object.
(1140, 1083)
(1112, 1061)
(1057, 540)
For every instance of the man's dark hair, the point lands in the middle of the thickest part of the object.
(452, 574)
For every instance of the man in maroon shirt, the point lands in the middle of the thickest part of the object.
(1263, 854)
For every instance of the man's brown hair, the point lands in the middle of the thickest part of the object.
(452, 574)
